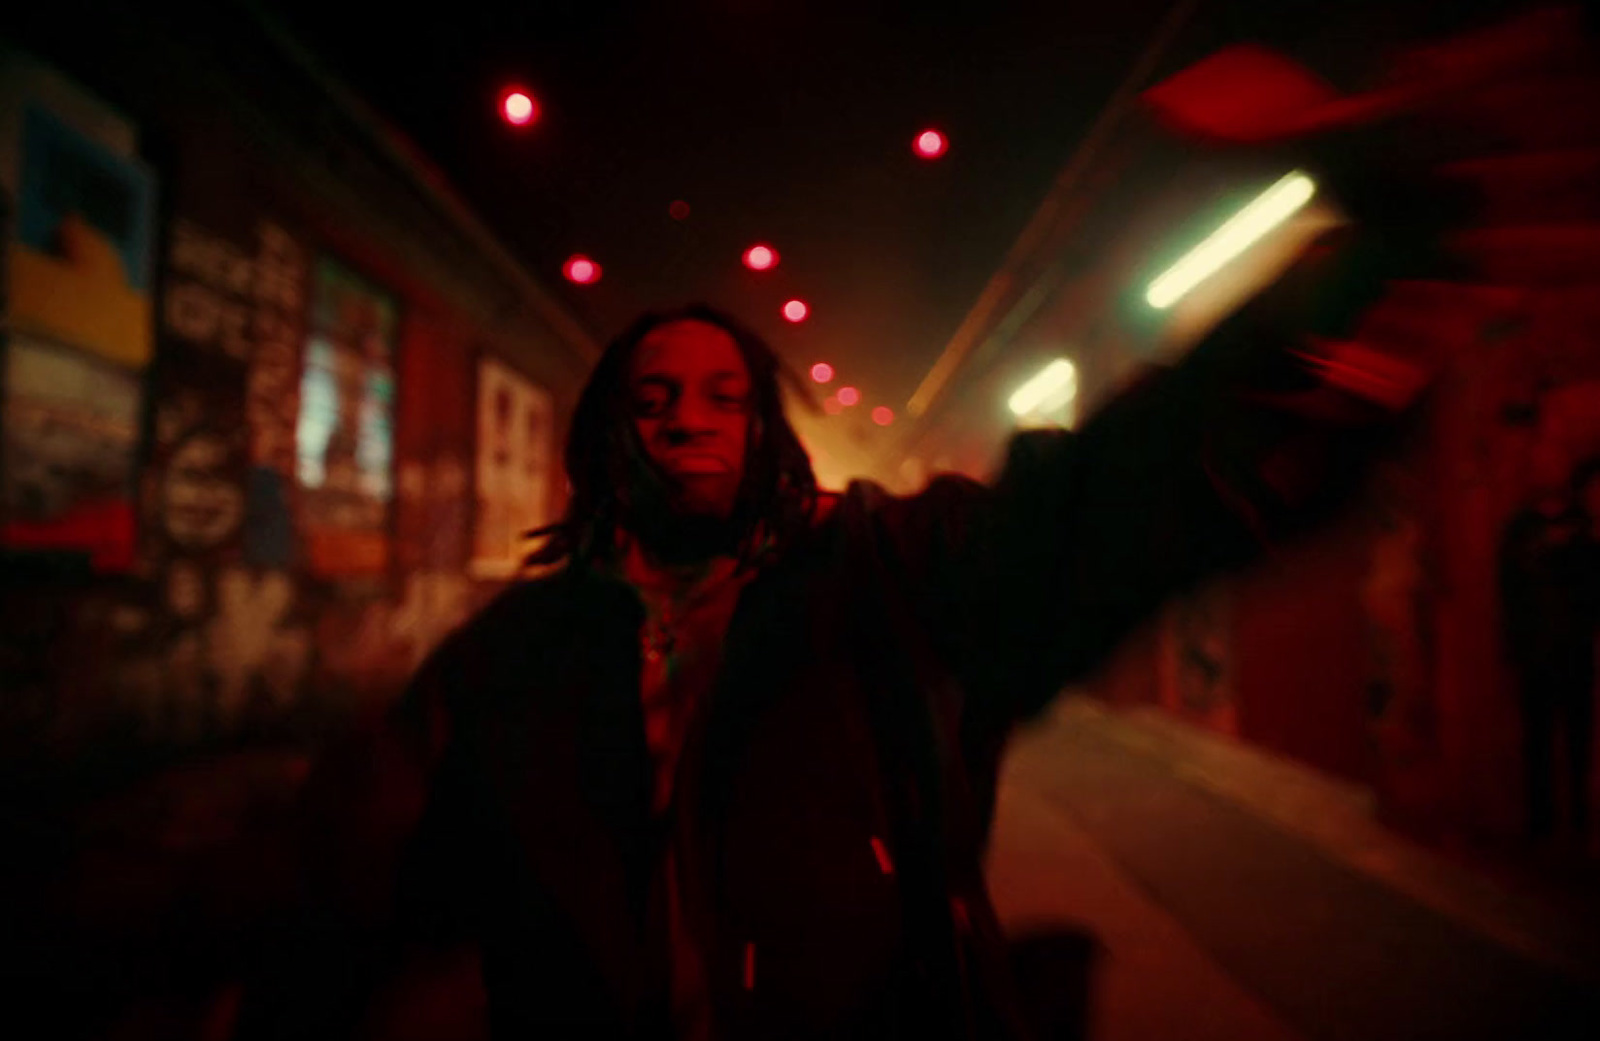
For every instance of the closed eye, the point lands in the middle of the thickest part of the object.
(730, 393)
(652, 399)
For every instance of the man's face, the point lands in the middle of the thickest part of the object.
(689, 395)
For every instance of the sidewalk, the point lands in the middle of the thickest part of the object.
(1337, 818)
(1243, 896)
(1152, 980)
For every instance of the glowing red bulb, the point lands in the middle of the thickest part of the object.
(581, 269)
(930, 144)
(832, 406)
(822, 372)
(519, 108)
(883, 415)
(760, 258)
(849, 396)
(796, 310)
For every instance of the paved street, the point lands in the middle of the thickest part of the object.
(1254, 911)
(1234, 896)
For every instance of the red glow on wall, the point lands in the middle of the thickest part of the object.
(760, 258)
(930, 144)
(796, 310)
(519, 108)
(679, 210)
(849, 396)
(581, 269)
(883, 415)
(822, 372)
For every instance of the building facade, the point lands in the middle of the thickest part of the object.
(278, 409)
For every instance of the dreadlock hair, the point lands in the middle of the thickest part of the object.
(610, 474)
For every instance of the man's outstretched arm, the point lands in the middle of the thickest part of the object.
(1193, 470)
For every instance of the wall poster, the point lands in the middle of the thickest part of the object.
(515, 460)
(80, 262)
(77, 295)
(71, 430)
(344, 438)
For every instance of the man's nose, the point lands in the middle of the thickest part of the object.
(690, 419)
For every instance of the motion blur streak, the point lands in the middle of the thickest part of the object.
(1269, 209)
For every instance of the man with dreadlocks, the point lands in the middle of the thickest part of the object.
(726, 771)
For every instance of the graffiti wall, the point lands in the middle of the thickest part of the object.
(238, 473)
(293, 475)
(220, 642)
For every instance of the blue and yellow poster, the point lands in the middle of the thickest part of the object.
(80, 266)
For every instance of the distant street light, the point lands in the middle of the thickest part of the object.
(883, 415)
(848, 396)
(581, 269)
(518, 107)
(796, 310)
(1055, 384)
(761, 258)
(1268, 210)
(822, 372)
(930, 144)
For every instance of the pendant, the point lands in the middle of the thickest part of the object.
(658, 640)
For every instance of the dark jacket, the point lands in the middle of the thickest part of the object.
(840, 785)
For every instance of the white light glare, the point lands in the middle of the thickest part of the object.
(1268, 210)
(1055, 382)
